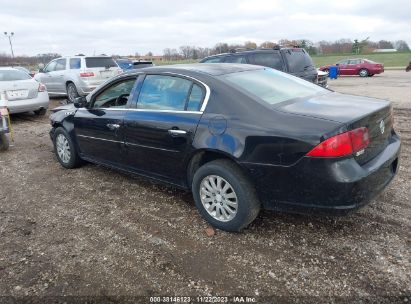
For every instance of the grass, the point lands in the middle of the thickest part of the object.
(388, 59)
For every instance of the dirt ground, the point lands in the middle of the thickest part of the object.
(93, 232)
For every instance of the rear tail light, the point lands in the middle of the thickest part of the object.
(87, 74)
(42, 88)
(342, 144)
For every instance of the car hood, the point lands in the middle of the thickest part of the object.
(335, 106)
(69, 106)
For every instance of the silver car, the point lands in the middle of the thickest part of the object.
(77, 75)
(21, 93)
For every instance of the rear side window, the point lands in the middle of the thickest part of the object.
(11, 75)
(75, 63)
(213, 60)
(60, 65)
(160, 92)
(100, 62)
(272, 60)
(195, 99)
(235, 59)
(298, 60)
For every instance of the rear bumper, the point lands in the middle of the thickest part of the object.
(27, 105)
(325, 186)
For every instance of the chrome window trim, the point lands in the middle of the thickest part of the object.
(144, 110)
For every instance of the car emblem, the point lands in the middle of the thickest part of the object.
(382, 126)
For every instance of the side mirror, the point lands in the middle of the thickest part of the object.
(80, 102)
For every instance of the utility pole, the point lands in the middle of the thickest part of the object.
(11, 46)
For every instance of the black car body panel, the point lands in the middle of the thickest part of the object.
(269, 142)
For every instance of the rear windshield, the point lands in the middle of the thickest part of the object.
(11, 75)
(273, 86)
(298, 60)
(100, 62)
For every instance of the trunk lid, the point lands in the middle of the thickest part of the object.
(352, 112)
(20, 89)
(99, 69)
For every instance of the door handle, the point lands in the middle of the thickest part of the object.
(113, 127)
(176, 133)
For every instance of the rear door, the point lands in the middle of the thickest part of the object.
(99, 128)
(160, 131)
(354, 66)
(57, 76)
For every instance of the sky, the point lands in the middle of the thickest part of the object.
(125, 26)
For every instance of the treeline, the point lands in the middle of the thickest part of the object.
(319, 48)
(31, 61)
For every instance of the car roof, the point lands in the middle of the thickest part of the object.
(248, 51)
(211, 69)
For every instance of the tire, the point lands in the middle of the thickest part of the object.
(370, 75)
(240, 190)
(4, 142)
(65, 150)
(72, 92)
(40, 112)
(363, 73)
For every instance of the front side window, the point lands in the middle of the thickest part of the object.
(50, 67)
(342, 62)
(115, 96)
(161, 92)
(75, 63)
(272, 86)
(11, 75)
(60, 65)
(272, 60)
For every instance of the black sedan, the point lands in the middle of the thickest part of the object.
(240, 137)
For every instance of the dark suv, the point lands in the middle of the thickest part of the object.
(294, 61)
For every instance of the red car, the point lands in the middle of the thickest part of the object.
(361, 67)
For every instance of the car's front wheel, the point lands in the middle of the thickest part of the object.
(72, 92)
(225, 196)
(363, 73)
(65, 149)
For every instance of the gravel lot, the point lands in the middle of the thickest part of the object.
(95, 232)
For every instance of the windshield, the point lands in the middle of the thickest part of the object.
(273, 86)
(11, 75)
(100, 62)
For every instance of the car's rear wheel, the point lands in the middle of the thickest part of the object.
(65, 149)
(4, 142)
(40, 112)
(363, 73)
(72, 92)
(225, 196)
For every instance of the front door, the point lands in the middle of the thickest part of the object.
(99, 128)
(46, 77)
(159, 132)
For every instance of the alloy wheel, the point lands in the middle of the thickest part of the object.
(218, 198)
(63, 148)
